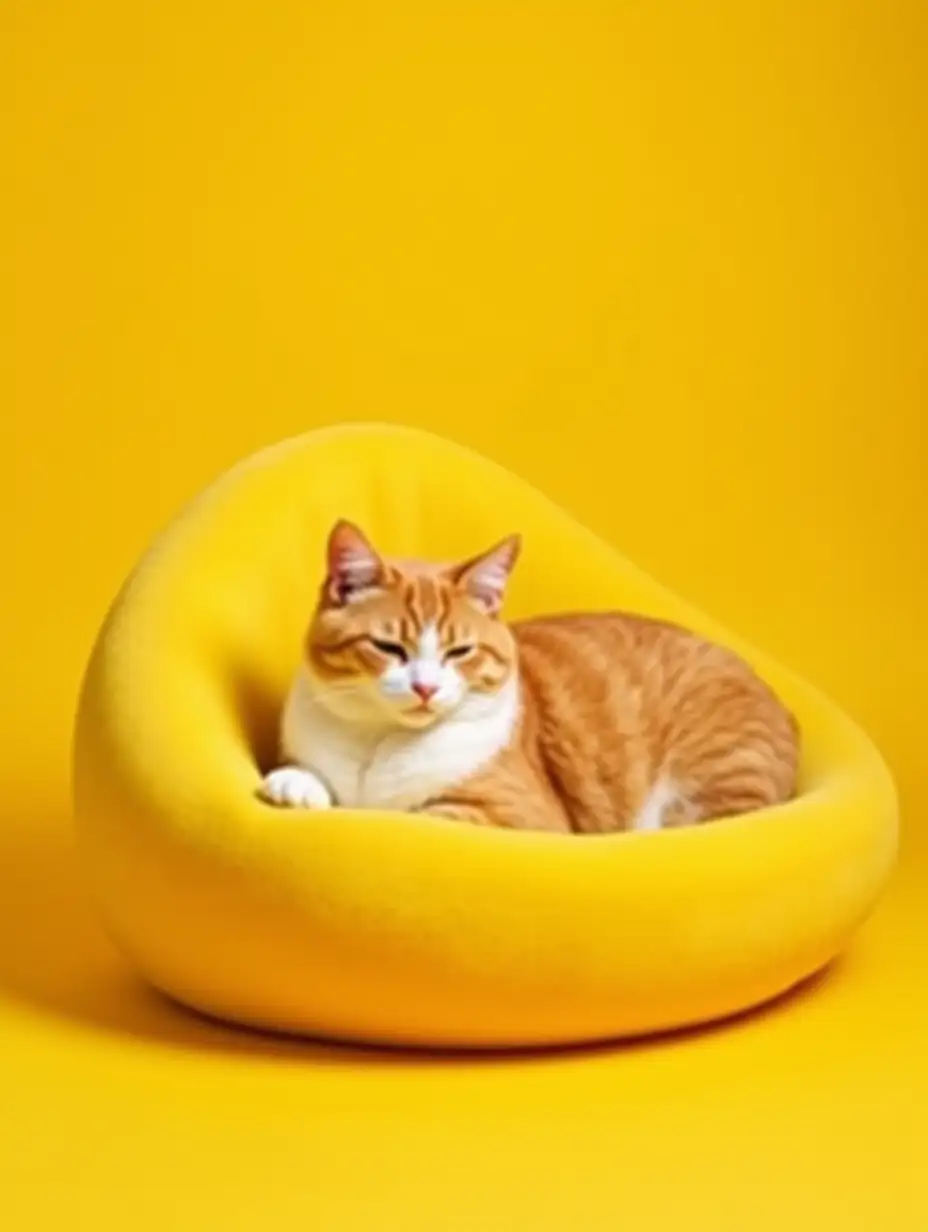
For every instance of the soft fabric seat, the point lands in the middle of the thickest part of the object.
(406, 929)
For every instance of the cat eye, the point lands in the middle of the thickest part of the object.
(393, 649)
(459, 652)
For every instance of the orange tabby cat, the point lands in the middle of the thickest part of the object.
(416, 695)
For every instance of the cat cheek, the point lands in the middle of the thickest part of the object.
(395, 682)
(454, 685)
(489, 680)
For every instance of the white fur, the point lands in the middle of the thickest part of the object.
(355, 742)
(651, 816)
(293, 787)
(427, 668)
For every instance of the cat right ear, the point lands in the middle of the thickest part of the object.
(353, 565)
(484, 577)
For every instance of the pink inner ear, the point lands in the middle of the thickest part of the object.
(352, 563)
(486, 576)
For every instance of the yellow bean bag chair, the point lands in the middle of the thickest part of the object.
(404, 929)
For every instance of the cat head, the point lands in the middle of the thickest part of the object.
(406, 641)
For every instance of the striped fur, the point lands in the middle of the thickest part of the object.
(416, 694)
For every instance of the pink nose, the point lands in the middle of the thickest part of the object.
(425, 691)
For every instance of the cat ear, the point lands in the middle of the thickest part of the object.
(353, 565)
(485, 577)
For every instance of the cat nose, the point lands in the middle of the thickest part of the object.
(425, 691)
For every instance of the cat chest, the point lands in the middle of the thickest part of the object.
(398, 769)
(401, 777)
(396, 772)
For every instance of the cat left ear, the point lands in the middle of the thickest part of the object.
(353, 565)
(485, 577)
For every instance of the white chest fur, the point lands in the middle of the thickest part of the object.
(398, 769)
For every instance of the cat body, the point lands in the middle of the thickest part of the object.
(416, 695)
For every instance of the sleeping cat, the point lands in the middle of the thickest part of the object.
(414, 694)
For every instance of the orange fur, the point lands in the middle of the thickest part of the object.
(612, 704)
(613, 707)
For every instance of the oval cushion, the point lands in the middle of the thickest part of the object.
(392, 928)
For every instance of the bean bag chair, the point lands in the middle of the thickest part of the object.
(401, 929)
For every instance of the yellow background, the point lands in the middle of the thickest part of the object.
(668, 262)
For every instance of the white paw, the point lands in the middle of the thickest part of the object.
(291, 787)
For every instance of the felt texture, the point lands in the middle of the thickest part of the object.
(401, 929)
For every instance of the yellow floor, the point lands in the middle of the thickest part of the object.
(120, 1111)
(668, 262)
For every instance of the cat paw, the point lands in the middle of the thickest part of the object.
(291, 787)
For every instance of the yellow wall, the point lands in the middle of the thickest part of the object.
(666, 260)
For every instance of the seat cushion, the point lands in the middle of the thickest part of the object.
(395, 928)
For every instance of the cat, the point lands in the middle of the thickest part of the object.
(414, 694)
